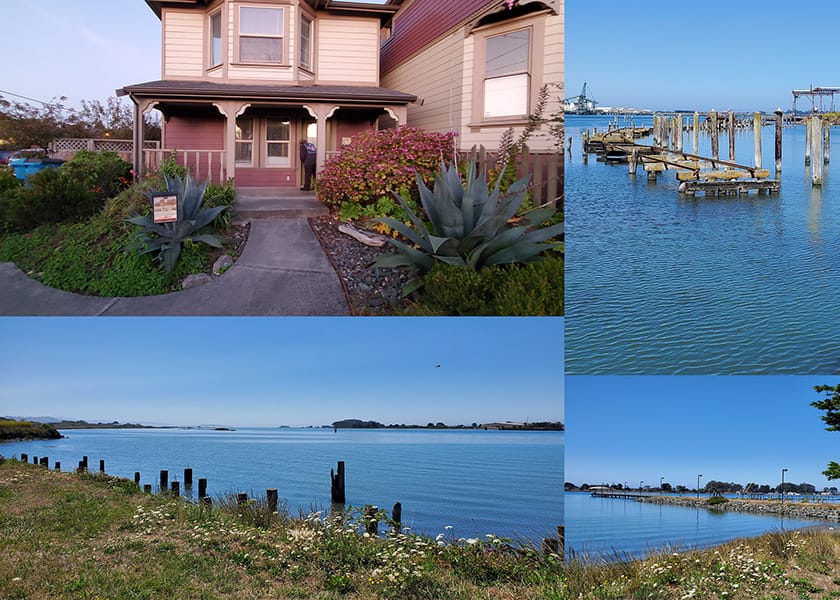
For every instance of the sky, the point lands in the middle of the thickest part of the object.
(282, 371)
(731, 428)
(743, 55)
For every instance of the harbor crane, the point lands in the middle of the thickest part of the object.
(580, 104)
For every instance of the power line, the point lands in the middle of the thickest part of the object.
(24, 97)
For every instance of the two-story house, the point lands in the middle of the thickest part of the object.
(477, 66)
(243, 81)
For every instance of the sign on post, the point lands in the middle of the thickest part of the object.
(165, 208)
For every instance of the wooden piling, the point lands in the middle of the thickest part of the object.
(137, 477)
(205, 501)
(371, 522)
(24, 457)
(242, 498)
(569, 145)
(807, 142)
(584, 145)
(271, 498)
(81, 467)
(57, 465)
(561, 539)
(757, 139)
(731, 135)
(695, 140)
(202, 488)
(713, 130)
(147, 488)
(778, 149)
(34, 460)
(827, 143)
(85, 461)
(175, 487)
(633, 163)
(164, 480)
(816, 151)
(188, 478)
(45, 461)
(337, 484)
(101, 465)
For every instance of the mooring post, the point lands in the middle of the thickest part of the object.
(24, 458)
(85, 461)
(584, 143)
(164, 480)
(713, 130)
(45, 461)
(337, 484)
(679, 132)
(202, 488)
(176, 488)
(808, 141)
(57, 466)
(778, 151)
(757, 138)
(147, 488)
(188, 477)
(371, 522)
(633, 164)
(731, 136)
(34, 460)
(205, 501)
(271, 498)
(816, 151)
(396, 517)
(827, 143)
(137, 477)
(101, 465)
(695, 140)
(569, 145)
(242, 498)
(81, 467)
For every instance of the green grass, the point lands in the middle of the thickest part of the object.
(65, 535)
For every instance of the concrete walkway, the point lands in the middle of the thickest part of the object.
(283, 271)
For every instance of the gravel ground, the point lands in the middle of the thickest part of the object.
(368, 291)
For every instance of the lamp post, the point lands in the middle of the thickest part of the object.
(661, 479)
(698, 485)
(782, 487)
(640, 487)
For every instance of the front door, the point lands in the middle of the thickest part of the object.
(278, 143)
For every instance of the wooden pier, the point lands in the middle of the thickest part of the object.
(617, 494)
(725, 188)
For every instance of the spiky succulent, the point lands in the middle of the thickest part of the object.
(166, 238)
(469, 226)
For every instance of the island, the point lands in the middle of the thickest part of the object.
(505, 425)
(11, 429)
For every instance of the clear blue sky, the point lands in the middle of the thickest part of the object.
(82, 49)
(741, 429)
(722, 54)
(282, 371)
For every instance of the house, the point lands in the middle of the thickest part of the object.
(477, 66)
(244, 80)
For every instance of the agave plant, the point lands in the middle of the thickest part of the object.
(166, 238)
(469, 226)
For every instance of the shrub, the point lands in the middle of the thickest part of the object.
(74, 191)
(221, 195)
(377, 163)
(535, 289)
(715, 500)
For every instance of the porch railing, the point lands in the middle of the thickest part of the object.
(202, 164)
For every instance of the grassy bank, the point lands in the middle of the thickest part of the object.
(26, 430)
(69, 536)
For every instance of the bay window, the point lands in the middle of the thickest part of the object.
(216, 39)
(261, 34)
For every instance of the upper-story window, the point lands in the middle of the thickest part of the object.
(506, 74)
(306, 41)
(261, 34)
(216, 39)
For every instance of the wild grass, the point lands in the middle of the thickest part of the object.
(66, 535)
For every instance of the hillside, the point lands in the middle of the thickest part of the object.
(26, 430)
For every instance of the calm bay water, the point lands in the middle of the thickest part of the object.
(662, 283)
(502, 482)
(610, 526)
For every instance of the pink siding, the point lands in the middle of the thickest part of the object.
(198, 133)
(420, 24)
(349, 129)
(247, 177)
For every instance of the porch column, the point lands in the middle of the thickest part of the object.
(320, 112)
(141, 107)
(230, 110)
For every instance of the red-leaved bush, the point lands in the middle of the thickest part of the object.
(378, 162)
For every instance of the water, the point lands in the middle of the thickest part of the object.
(608, 526)
(662, 283)
(503, 482)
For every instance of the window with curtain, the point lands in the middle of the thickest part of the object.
(216, 39)
(244, 140)
(506, 74)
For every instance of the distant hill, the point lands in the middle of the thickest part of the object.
(85, 425)
(27, 430)
(507, 425)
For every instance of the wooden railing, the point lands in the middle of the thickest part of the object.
(546, 171)
(202, 164)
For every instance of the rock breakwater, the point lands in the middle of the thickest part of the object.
(797, 510)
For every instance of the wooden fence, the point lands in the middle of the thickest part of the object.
(546, 171)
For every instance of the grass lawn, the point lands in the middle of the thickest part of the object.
(64, 535)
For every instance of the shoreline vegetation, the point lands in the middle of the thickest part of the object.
(822, 511)
(11, 430)
(68, 535)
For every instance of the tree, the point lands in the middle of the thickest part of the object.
(831, 405)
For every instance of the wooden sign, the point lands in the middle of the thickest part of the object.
(165, 208)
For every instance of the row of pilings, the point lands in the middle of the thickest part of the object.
(555, 545)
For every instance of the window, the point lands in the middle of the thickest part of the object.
(277, 140)
(244, 140)
(260, 34)
(306, 41)
(506, 77)
(216, 39)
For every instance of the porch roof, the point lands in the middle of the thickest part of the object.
(171, 89)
